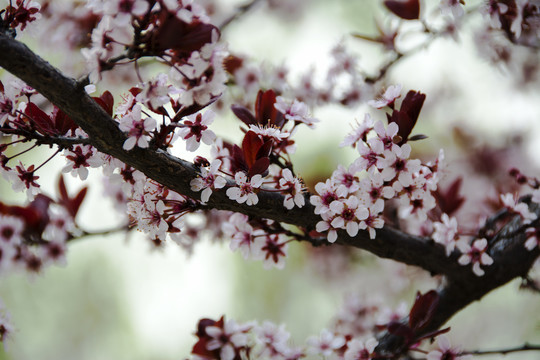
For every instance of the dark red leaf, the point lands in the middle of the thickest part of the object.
(106, 101)
(450, 201)
(232, 63)
(62, 123)
(265, 149)
(407, 116)
(408, 9)
(265, 112)
(72, 205)
(40, 119)
(250, 147)
(412, 104)
(423, 309)
(400, 329)
(259, 167)
(173, 33)
(418, 137)
(77, 201)
(62, 191)
(244, 114)
(238, 162)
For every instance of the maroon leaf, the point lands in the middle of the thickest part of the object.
(408, 9)
(400, 329)
(418, 137)
(39, 119)
(244, 114)
(423, 310)
(200, 347)
(72, 205)
(265, 112)
(62, 123)
(450, 201)
(250, 147)
(106, 101)
(259, 167)
(407, 116)
(173, 33)
(265, 149)
(238, 162)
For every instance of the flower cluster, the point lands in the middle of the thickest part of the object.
(228, 340)
(347, 201)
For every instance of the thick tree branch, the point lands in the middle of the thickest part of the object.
(461, 286)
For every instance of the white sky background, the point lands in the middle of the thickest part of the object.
(165, 294)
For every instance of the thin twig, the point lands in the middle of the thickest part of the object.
(241, 10)
(524, 347)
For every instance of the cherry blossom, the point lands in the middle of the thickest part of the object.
(325, 344)
(273, 340)
(326, 225)
(195, 129)
(292, 187)
(348, 212)
(512, 204)
(359, 133)
(347, 178)
(328, 192)
(11, 229)
(445, 351)
(475, 254)
(243, 237)
(387, 99)
(373, 221)
(138, 129)
(359, 350)
(244, 193)
(446, 233)
(208, 181)
(272, 249)
(228, 340)
(296, 111)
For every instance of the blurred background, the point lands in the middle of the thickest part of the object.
(118, 299)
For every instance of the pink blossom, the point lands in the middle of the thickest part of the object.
(138, 129)
(373, 221)
(348, 212)
(208, 180)
(359, 133)
(347, 178)
(446, 352)
(360, 350)
(385, 136)
(387, 99)
(228, 339)
(328, 192)
(446, 233)
(292, 188)
(296, 111)
(273, 340)
(475, 254)
(195, 128)
(11, 229)
(326, 225)
(245, 193)
(512, 204)
(272, 248)
(325, 344)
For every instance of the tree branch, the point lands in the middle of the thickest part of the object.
(461, 286)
